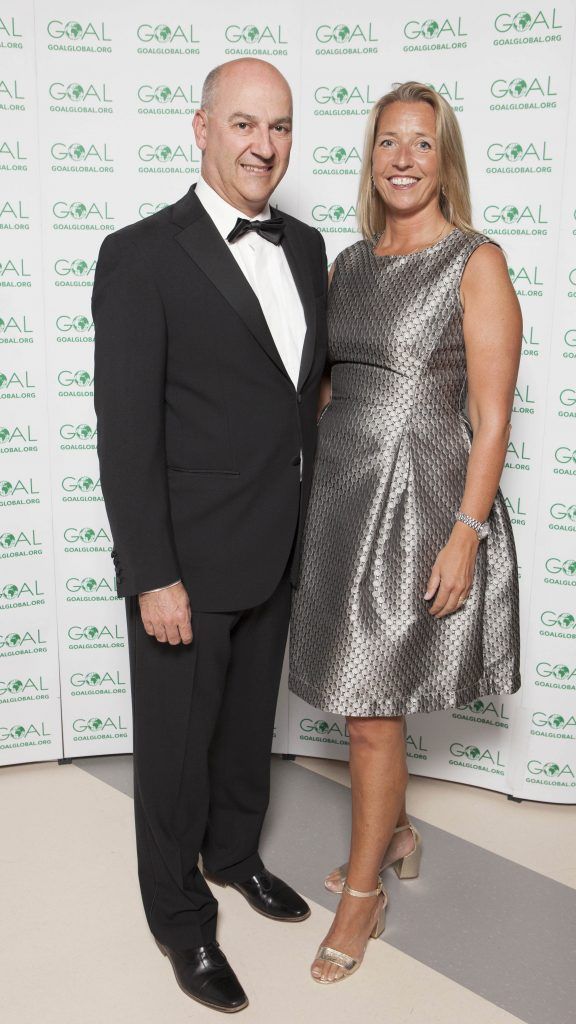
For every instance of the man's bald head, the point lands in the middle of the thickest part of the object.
(244, 129)
(238, 69)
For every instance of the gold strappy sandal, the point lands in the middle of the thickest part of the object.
(335, 956)
(405, 867)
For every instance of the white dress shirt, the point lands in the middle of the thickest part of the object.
(266, 269)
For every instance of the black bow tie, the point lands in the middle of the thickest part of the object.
(272, 230)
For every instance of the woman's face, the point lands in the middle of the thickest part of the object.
(405, 158)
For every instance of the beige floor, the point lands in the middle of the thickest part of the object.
(538, 836)
(77, 950)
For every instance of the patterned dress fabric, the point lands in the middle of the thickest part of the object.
(389, 476)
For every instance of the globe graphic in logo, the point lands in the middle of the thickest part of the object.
(73, 29)
(17, 732)
(4, 433)
(78, 210)
(321, 726)
(92, 679)
(77, 151)
(513, 151)
(571, 513)
(2, 324)
(478, 706)
(15, 685)
(90, 632)
(10, 590)
(75, 91)
(13, 639)
(336, 213)
(163, 153)
(551, 768)
(339, 94)
(473, 753)
(85, 483)
(7, 540)
(522, 21)
(342, 33)
(569, 568)
(163, 33)
(251, 34)
(79, 267)
(82, 377)
(566, 620)
(5, 487)
(561, 671)
(337, 154)
(517, 87)
(94, 724)
(84, 430)
(3, 380)
(556, 721)
(80, 323)
(510, 214)
(89, 584)
(430, 29)
(163, 93)
(87, 534)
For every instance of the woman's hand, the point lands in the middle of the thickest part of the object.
(453, 572)
(324, 395)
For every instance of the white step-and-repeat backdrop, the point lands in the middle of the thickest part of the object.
(96, 102)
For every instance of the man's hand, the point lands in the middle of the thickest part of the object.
(166, 615)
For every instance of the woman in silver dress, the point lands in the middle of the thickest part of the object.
(408, 598)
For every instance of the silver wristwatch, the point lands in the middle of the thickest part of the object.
(482, 529)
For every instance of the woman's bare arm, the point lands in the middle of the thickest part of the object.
(493, 336)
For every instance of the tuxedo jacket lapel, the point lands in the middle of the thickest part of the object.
(205, 246)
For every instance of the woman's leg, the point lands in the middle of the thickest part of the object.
(379, 777)
(400, 845)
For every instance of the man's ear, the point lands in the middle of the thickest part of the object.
(200, 127)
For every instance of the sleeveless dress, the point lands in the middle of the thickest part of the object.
(391, 463)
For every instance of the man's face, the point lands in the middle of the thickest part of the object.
(246, 135)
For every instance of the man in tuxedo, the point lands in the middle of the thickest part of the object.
(210, 344)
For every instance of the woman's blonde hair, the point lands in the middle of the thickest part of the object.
(453, 186)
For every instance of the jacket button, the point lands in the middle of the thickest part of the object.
(299, 398)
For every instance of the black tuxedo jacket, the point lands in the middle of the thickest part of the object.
(199, 425)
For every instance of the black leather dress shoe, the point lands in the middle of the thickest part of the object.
(269, 896)
(205, 975)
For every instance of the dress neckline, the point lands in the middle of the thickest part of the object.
(415, 252)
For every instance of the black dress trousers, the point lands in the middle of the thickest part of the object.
(203, 725)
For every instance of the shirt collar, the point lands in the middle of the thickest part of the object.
(222, 213)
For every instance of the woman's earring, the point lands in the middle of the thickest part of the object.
(372, 185)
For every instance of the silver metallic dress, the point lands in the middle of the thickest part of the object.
(390, 471)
